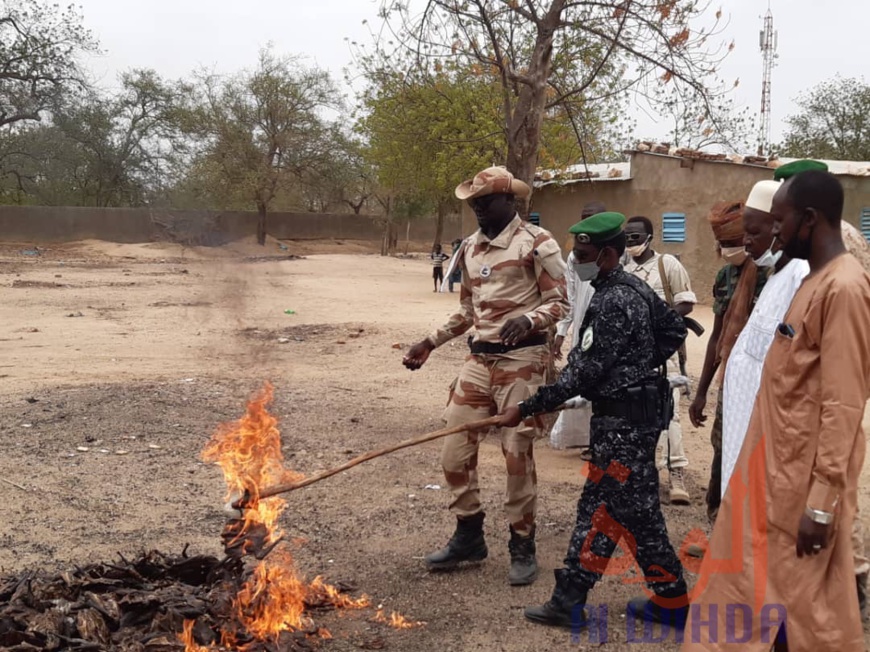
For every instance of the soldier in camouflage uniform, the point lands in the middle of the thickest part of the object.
(513, 289)
(627, 335)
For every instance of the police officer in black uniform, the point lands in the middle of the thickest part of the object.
(626, 337)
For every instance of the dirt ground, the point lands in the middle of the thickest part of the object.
(137, 353)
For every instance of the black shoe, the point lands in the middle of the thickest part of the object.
(552, 614)
(565, 607)
(649, 609)
(466, 545)
(524, 566)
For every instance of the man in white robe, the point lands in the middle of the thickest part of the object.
(743, 372)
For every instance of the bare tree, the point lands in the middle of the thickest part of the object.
(698, 122)
(39, 50)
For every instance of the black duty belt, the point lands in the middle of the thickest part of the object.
(611, 408)
(495, 348)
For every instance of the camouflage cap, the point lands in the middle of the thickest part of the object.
(788, 170)
(598, 228)
(491, 181)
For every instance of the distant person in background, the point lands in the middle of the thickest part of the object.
(571, 429)
(456, 274)
(670, 281)
(438, 257)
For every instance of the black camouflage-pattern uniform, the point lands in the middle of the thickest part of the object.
(617, 349)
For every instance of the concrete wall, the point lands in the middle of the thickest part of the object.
(664, 184)
(50, 224)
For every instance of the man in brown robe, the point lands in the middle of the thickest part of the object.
(780, 556)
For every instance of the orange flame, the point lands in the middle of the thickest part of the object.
(273, 599)
(186, 637)
(396, 620)
(249, 454)
(336, 598)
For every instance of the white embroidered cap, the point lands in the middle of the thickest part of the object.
(761, 195)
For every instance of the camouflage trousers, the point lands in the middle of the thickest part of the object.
(620, 506)
(486, 385)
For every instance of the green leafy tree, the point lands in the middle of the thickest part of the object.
(428, 129)
(554, 54)
(259, 133)
(833, 122)
(424, 133)
(99, 150)
(345, 182)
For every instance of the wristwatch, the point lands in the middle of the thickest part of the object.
(818, 516)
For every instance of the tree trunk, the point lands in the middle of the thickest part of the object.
(524, 126)
(439, 223)
(387, 203)
(407, 236)
(394, 236)
(261, 223)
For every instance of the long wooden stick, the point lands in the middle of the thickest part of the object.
(473, 425)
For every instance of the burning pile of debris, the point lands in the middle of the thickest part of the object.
(137, 605)
(251, 600)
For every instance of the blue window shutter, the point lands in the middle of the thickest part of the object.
(674, 227)
(865, 223)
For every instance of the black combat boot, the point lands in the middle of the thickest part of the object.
(565, 608)
(524, 566)
(861, 581)
(466, 544)
(647, 609)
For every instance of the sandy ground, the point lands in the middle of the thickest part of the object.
(137, 353)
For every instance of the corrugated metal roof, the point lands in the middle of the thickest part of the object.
(576, 173)
(841, 168)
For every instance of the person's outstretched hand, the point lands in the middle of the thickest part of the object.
(417, 355)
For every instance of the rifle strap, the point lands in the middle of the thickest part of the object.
(669, 295)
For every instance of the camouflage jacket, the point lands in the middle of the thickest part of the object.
(520, 272)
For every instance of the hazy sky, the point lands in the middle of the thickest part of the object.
(816, 39)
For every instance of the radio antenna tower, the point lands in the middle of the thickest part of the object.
(767, 42)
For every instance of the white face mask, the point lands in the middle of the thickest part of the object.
(734, 255)
(769, 258)
(587, 271)
(637, 250)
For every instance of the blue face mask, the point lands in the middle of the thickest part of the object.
(587, 271)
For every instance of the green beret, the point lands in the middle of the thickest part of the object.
(601, 227)
(788, 170)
